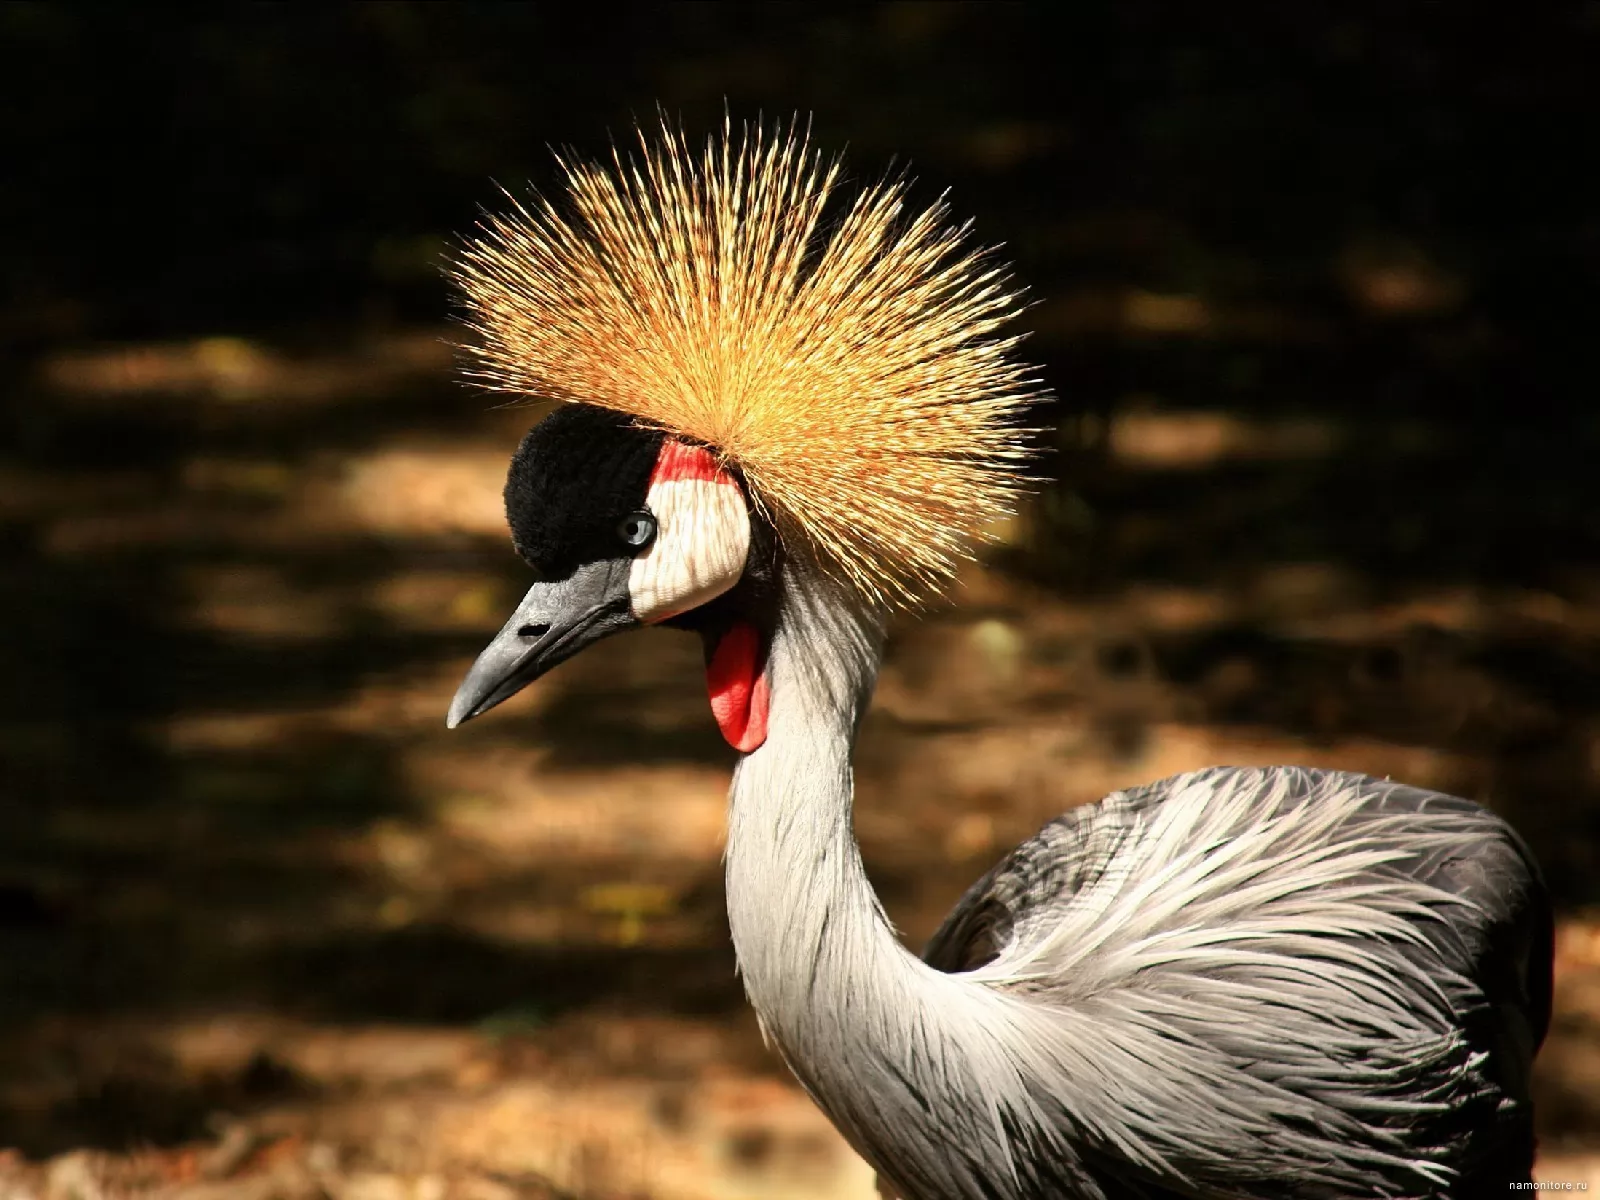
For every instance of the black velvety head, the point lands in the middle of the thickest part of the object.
(575, 478)
(624, 527)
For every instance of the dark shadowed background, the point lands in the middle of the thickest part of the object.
(1314, 284)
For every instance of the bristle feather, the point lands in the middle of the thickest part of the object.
(855, 374)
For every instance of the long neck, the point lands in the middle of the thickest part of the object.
(805, 920)
(877, 1037)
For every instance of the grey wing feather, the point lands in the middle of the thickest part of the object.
(1053, 865)
(1490, 946)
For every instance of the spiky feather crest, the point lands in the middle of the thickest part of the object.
(852, 370)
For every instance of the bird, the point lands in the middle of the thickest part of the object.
(783, 407)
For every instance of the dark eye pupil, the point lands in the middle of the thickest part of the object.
(636, 529)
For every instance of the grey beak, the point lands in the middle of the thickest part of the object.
(553, 622)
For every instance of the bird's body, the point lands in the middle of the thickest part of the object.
(1439, 889)
(1237, 983)
(1246, 1056)
(1262, 983)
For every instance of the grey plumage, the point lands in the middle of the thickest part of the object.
(1235, 983)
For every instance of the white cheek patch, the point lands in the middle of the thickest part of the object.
(702, 535)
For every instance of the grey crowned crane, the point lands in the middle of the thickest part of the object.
(787, 410)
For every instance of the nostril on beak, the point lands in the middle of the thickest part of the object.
(533, 631)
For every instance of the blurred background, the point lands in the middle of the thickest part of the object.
(1313, 282)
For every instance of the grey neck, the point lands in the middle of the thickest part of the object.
(804, 917)
(870, 1030)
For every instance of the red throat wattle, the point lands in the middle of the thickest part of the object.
(738, 688)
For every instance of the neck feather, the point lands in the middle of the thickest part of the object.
(803, 915)
(870, 1030)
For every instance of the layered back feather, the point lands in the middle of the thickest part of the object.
(1271, 974)
(845, 356)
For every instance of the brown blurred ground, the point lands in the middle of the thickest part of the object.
(1313, 289)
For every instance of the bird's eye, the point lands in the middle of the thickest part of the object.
(637, 530)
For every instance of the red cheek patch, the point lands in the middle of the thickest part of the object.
(738, 687)
(679, 462)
